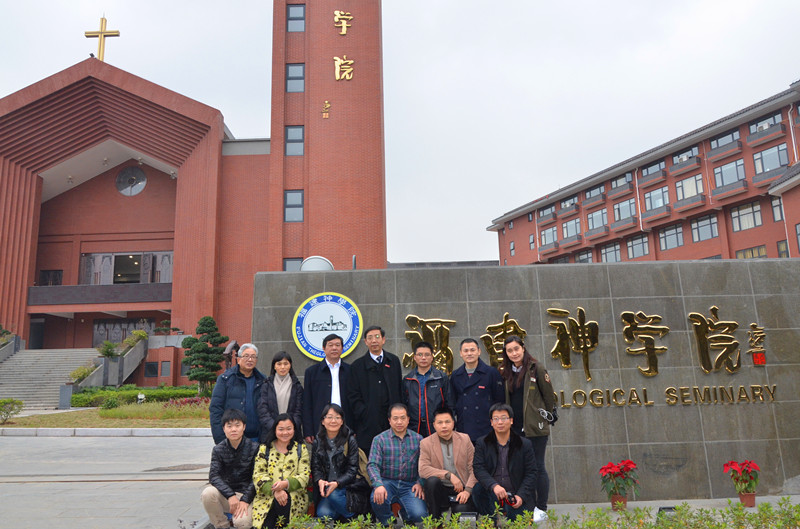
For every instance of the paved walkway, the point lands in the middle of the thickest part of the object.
(76, 480)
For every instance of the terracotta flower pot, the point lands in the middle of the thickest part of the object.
(748, 499)
(619, 498)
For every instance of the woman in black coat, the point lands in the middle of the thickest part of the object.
(284, 383)
(340, 491)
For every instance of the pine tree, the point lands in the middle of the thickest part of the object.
(204, 354)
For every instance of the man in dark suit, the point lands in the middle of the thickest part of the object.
(505, 466)
(374, 385)
(324, 384)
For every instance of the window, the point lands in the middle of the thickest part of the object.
(532, 241)
(165, 369)
(295, 18)
(777, 209)
(685, 155)
(652, 169)
(729, 173)
(560, 260)
(656, 199)
(757, 252)
(547, 210)
(620, 181)
(624, 210)
(671, 237)
(150, 369)
(293, 206)
(637, 247)
(746, 216)
(549, 236)
(511, 225)
(595, 191)
(724, 139)
(610, 253)
(294, 140)
(765, 122)
(689, 187)
(597, 219)
(295, 77)
(50, 278)
(567, 202)
(511, 248)
(530, 217)
(783, 249)
(185, 369)
(583, 257)
(571, 228)
(770, 159)
(704, 228)
(292, 264)
(121, 268)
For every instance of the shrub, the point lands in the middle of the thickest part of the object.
(80, 373)
(128, 394)
(110, 402)
(108, 349)
(204, 353)
(9, 408)
(3, 335)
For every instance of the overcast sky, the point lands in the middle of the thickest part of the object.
(488, 105)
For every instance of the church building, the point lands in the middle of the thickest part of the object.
(125, 204)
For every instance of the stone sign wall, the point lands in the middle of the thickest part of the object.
(691, 364)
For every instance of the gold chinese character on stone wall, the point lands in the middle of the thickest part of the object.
(642, 327)
(436, 332)
(496, 335)
(757, 351)
(343, 68)
(326, 110)
(713, 333)
(578, 335)
(341, 19)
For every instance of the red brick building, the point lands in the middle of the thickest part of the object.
(726, 190)
(124, 204)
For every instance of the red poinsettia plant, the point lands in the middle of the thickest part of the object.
(618, 478)
(744, 475)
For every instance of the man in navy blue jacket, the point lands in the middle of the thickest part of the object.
(325, 383)
(238, 388)
(475, 386)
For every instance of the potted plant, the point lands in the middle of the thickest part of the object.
(616, 479)
(745, 478)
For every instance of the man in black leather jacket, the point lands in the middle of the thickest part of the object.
(230, 488)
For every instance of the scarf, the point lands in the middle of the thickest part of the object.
(283, 390)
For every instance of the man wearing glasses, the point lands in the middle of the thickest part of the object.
(238, 388)
(374, 385)
(425, 390)
(505, 466)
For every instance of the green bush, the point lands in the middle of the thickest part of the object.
(108, 349)
(128, 394)
(9, 408)
(82, 372)
(110, 403)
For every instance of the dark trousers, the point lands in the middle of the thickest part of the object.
(542, 479)
(278, 515)
(437, 496)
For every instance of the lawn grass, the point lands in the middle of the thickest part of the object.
(91, 419)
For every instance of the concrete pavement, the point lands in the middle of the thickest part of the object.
(81, 481)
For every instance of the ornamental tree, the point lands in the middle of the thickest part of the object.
(204, 353)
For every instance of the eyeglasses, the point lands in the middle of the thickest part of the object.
(334, 418)
(373, 337)
(249, 357)
(501, 419)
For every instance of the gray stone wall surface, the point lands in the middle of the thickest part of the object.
(679, 436)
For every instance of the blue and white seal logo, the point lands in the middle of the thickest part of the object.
(323, 314)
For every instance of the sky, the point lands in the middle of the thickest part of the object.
(488, 105)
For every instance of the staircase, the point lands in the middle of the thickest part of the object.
(34, 376)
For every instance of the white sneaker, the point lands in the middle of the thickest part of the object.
(539, 515)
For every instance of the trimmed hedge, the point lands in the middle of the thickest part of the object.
(128, 394)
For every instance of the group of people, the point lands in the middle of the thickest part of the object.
(368, 437)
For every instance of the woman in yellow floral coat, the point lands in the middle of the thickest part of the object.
(280, 475)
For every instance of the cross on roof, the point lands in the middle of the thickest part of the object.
(101, 36)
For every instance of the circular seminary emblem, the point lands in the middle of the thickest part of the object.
(323, 314)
